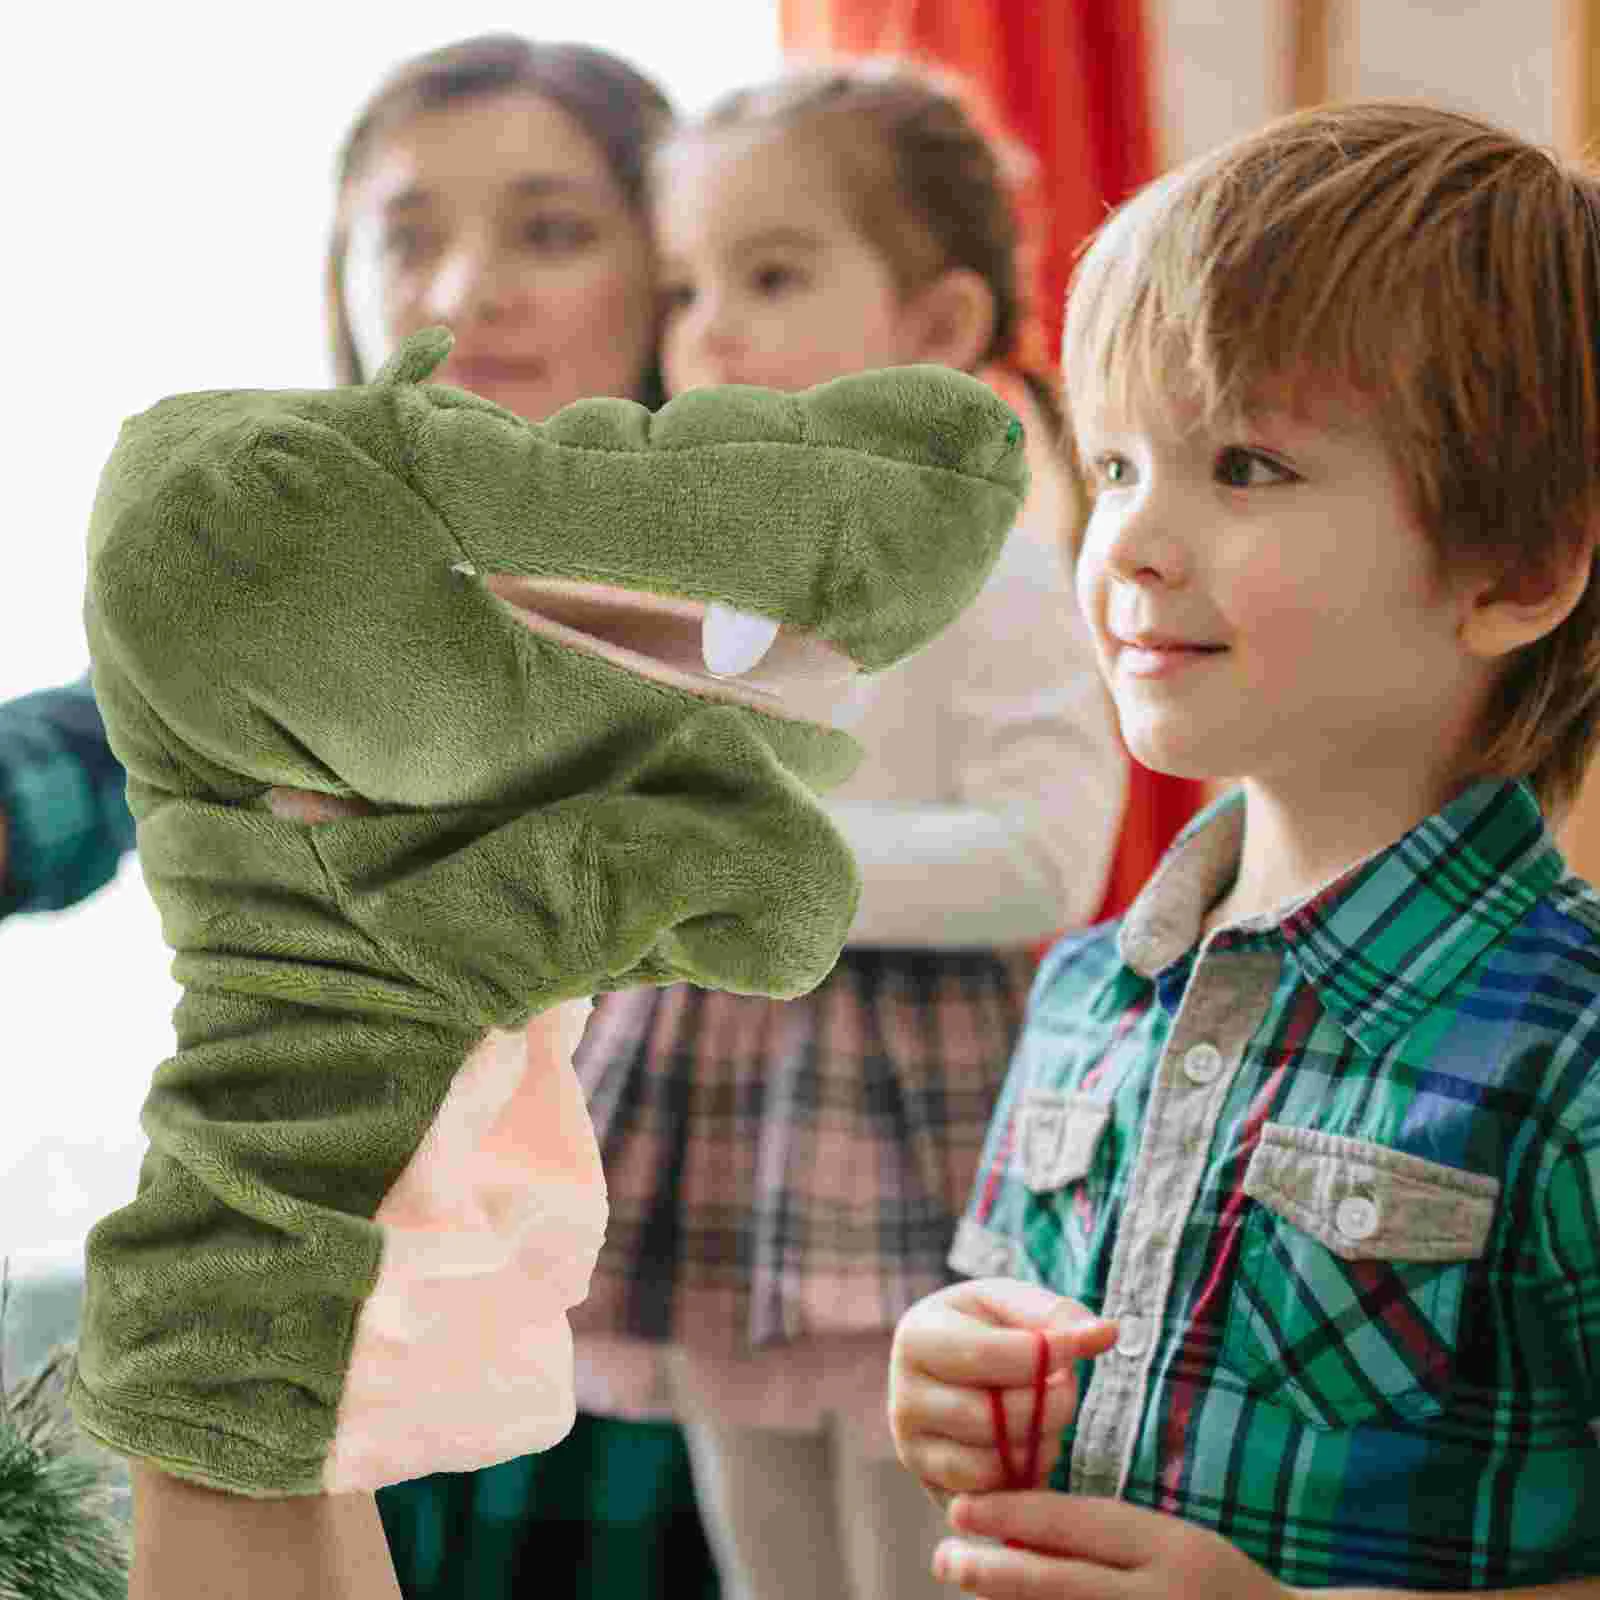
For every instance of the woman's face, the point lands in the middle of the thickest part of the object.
(498, 217)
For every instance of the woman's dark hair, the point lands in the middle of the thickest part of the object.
(620, 109)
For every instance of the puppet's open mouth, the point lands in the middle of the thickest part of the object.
(792, 673)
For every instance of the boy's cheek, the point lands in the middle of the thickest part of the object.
(1280, 624)
(1270, 600)
(1088, 591)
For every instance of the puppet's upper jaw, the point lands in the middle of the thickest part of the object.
(668, 639)
(867, 511)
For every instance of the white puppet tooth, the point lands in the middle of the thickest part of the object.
(732, 641)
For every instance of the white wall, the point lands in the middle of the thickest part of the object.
(1493, 57)
(1218, 61)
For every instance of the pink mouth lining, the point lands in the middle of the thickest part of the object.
(801, 679)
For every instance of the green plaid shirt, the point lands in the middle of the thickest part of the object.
(63, 794)
(1337, 1173)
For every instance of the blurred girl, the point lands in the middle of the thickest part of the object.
(785, 1177)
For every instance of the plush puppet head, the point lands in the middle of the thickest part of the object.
(406, 593)
(370, 1194)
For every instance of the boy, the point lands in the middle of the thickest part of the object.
(1299, 1164)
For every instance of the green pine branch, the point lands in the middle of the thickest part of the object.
(61, 1537)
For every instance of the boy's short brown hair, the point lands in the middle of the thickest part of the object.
(1441, 273)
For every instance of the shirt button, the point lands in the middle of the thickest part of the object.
(1356, 1216)
(1133, 1335)
(1202, 1063)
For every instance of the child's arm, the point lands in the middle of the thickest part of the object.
(1072, 1547)
(204, 1545)
(952, 1348)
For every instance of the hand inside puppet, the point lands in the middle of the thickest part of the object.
(372, 1190)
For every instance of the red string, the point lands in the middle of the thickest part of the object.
(997, 1410)
(1026, 1478)
(1041, 1374)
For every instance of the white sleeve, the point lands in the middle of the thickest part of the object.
(1019, 845)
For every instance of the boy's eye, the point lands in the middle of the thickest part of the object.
(1110, 472)
(1241, 468)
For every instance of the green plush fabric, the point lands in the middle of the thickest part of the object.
(290, 589)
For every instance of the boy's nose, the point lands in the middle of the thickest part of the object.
(1144, 546)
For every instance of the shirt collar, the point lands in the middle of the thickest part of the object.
(1385, 941)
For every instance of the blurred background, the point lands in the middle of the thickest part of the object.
(168, 187)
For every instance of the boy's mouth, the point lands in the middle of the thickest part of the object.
(1163, 641)
(1159, 655)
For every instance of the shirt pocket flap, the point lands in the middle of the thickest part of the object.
(980, 1252)
(1057, 1137)
(1365, 1202)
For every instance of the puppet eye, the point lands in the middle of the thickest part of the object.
(732, 641)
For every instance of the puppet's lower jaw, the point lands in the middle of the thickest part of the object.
(462, 1355)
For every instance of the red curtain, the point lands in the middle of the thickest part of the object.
(1070, 80)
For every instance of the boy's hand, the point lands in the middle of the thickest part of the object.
(1083, 1548)
(953, 1347)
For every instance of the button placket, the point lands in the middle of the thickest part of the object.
(1172, 1155)
(1227, 997)
(1182, 1144)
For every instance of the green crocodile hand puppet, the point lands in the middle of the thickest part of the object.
(372, 1190)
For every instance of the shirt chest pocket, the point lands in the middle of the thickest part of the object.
(1352, 1267)
(1058, 1136)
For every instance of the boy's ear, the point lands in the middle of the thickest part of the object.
(952, 320)
(1511, 610)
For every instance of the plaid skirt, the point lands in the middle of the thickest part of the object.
(780, 1170)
